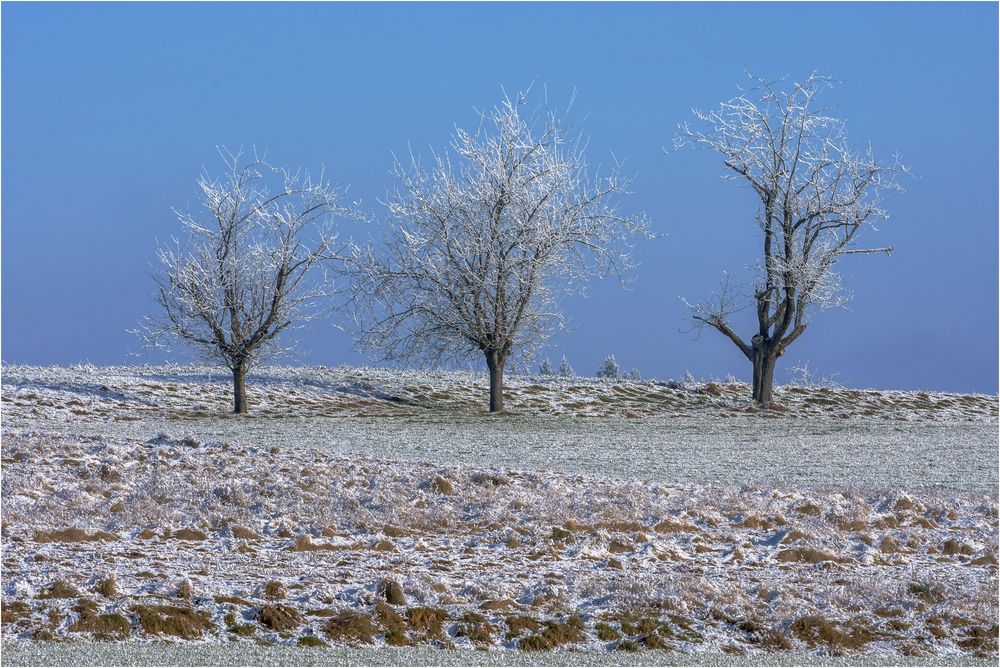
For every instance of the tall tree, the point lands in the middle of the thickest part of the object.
(481, 245)
(816, 194)
(249, 267)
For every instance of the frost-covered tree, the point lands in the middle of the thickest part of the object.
(545, 368)
(816, 194)
(608, 369)
(565, 370)
(248, 267)
(484, 241)
(634, 375)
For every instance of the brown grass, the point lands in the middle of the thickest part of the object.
(392, 592)
(72, 536)
(441, 485)
(350, 627)
(108, 587)
(60, 589)
(620, 547)
(671, 526)
(395, 532)
(426, 620)
(952, 546)
(275, 590)
(712, 389)
(173, 621)
(606, 632)
(233, 626)
(516, 624)
(242, 533)
(112, 626)
(534, 644)
(185, 589)
(13, 611)
(278, 617)
(806, 555)
(815, 630)
(233, 600)
(185, 534)
(311, 641)
(304, 543)
(476, 628)
(562, 633)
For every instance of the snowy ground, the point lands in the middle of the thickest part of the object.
(355, 509)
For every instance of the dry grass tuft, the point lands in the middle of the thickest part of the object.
(476, 628)
(72, 536)
(394, 624)
(108, 587)
(14, 611)
(60, 589)
(516, 624)
(168, 620)
(815, 630)
(310, 641)
(671, 526)
(952, 546)
(561, 535)
(185, 534)
(392, 592)
(534, 644)
(242, 533)
(809, 508)
(441, 485)
(620, 547)
(275, 590)
(304, 543)
(395, 532)
(185, 589)
(350, 627)
(111, 626)
(278, 617)
(712, 389)
(426, 620)
(557, 634)
(806, 555)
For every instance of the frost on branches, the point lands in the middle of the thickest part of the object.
(249, 265)
(484, 241)
(608, 369)
(816, 193)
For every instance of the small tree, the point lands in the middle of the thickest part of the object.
(608, 369)
(246, 270)
(565, 370)
(816, 195)
(634, 376)
(484, 242)
(545, 368)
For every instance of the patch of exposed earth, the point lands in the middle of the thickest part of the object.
(171, 538)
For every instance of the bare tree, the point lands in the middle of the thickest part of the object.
(250, 266)
(816, 195)
(483, 243)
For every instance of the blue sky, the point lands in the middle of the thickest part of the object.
(110, 111)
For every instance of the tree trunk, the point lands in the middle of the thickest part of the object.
(240, 388)
(764, 361)
(495, 364)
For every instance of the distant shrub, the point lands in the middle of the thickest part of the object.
(565, 370)
(545, 368)
(608, 369)
(634, 376)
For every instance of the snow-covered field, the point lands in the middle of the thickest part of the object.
(377, 507)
